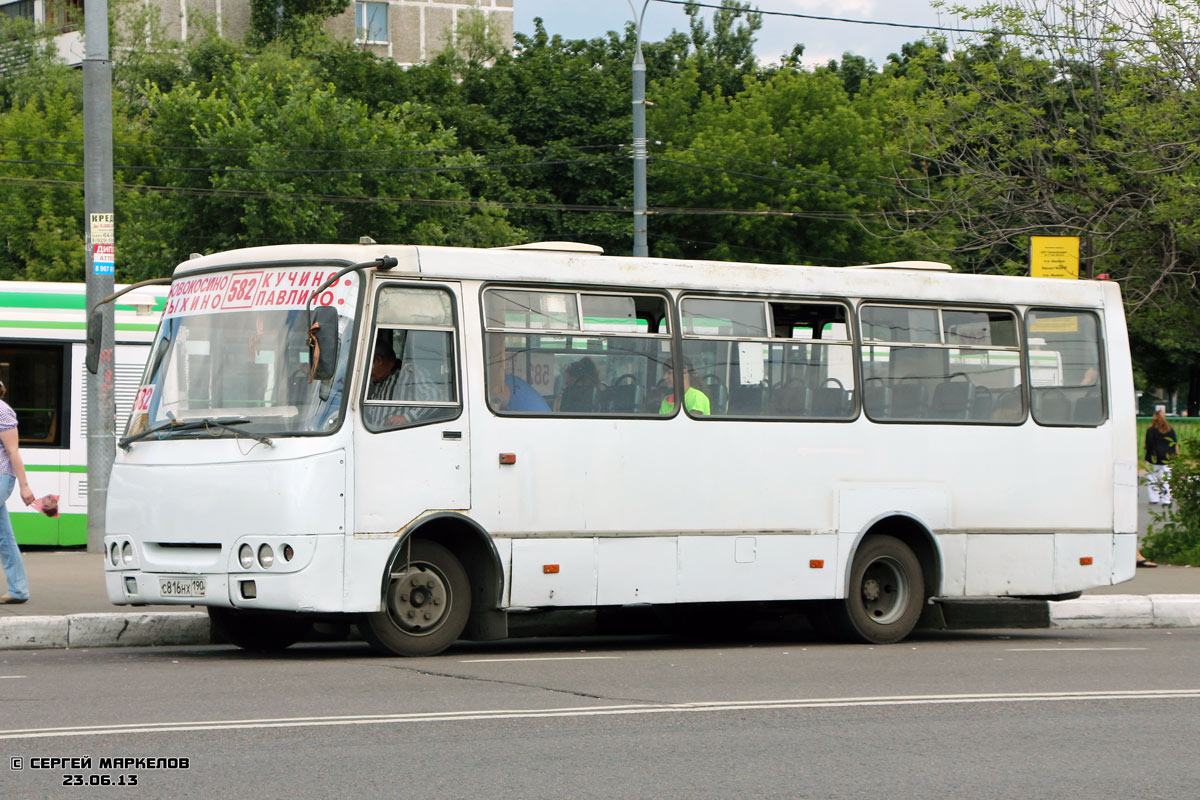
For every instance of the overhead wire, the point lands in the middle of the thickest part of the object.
(914, 26)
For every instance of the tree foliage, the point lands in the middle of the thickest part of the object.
(1077, 123)
(275, 19)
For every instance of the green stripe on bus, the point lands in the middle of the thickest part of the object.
(28, 323)
(65, 530)
(54, 468)
(56, 300)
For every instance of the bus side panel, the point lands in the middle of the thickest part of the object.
(637, 570)
(758, 567)
(554, 572)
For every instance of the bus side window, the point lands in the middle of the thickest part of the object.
(33, 374)
(574, 354)
(1067, 387)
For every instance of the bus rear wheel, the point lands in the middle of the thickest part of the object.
(426, 603)
(883, 600)
(259, 632)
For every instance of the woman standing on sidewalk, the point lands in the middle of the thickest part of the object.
(12, 473)
(1160, 445)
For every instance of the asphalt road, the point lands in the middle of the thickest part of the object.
(1012, 714)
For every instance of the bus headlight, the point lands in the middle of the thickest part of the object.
(113, 555)
(246, 556)
(127, 552)
(266, 556)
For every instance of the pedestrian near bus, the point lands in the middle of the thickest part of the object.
(1160, 446)
(12, 474)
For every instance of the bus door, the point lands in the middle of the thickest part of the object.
(412, 446)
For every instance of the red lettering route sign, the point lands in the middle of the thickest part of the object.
(258, 290)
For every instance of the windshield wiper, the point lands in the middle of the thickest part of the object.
(172, 425)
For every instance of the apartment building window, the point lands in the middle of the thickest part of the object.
(21, 10)
(370, 22)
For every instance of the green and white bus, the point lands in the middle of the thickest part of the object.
(42, 345)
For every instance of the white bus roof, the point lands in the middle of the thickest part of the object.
(912, 280)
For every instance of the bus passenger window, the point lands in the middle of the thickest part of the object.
(931, 364)
(771, 359)
(33, 374)
(575, 354)
(1067, 386)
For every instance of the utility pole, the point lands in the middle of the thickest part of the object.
(99, 259)
(640, 248)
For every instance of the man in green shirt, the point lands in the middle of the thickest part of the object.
(694, 400)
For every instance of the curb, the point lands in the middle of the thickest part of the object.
(1127, 611)
(160, 628)
(105, 630)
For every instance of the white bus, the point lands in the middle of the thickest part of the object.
(874, 438)
(42, 344)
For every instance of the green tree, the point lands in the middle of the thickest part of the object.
(797, 154)
(267, 153)
(276, 19)
(1078, 125)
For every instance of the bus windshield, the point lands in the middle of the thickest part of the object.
(234, 346)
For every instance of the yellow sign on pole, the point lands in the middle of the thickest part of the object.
(1054, 257)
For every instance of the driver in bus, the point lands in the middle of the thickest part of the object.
(694, 400)
(391, 380)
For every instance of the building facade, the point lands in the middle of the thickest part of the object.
(406, 31)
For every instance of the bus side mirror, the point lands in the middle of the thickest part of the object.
(322, 344)
(95, 334)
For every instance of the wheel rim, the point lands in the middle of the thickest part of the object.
(885, 590)
(419, 599)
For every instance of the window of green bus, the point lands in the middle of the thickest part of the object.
(33, 377)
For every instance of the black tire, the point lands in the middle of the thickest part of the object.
(258, 632)
(886, 592)
(426, 603)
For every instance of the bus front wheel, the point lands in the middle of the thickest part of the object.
(426, 603)
(883, 600)
(258, 632)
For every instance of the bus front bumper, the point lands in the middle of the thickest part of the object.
(309, 581)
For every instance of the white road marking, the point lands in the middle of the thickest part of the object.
(539, 658)
(1069, 649)
(9, 677)
(597, 711)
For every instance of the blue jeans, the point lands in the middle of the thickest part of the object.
(10, 554)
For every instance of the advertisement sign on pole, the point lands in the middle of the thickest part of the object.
(1054, 257)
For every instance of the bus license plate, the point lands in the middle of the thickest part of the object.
(181, 587)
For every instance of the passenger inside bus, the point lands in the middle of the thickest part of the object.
(581, 387)
(506, 391)
(694, 400)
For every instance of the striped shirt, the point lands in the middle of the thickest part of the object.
(8, 421)
(404, 384)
